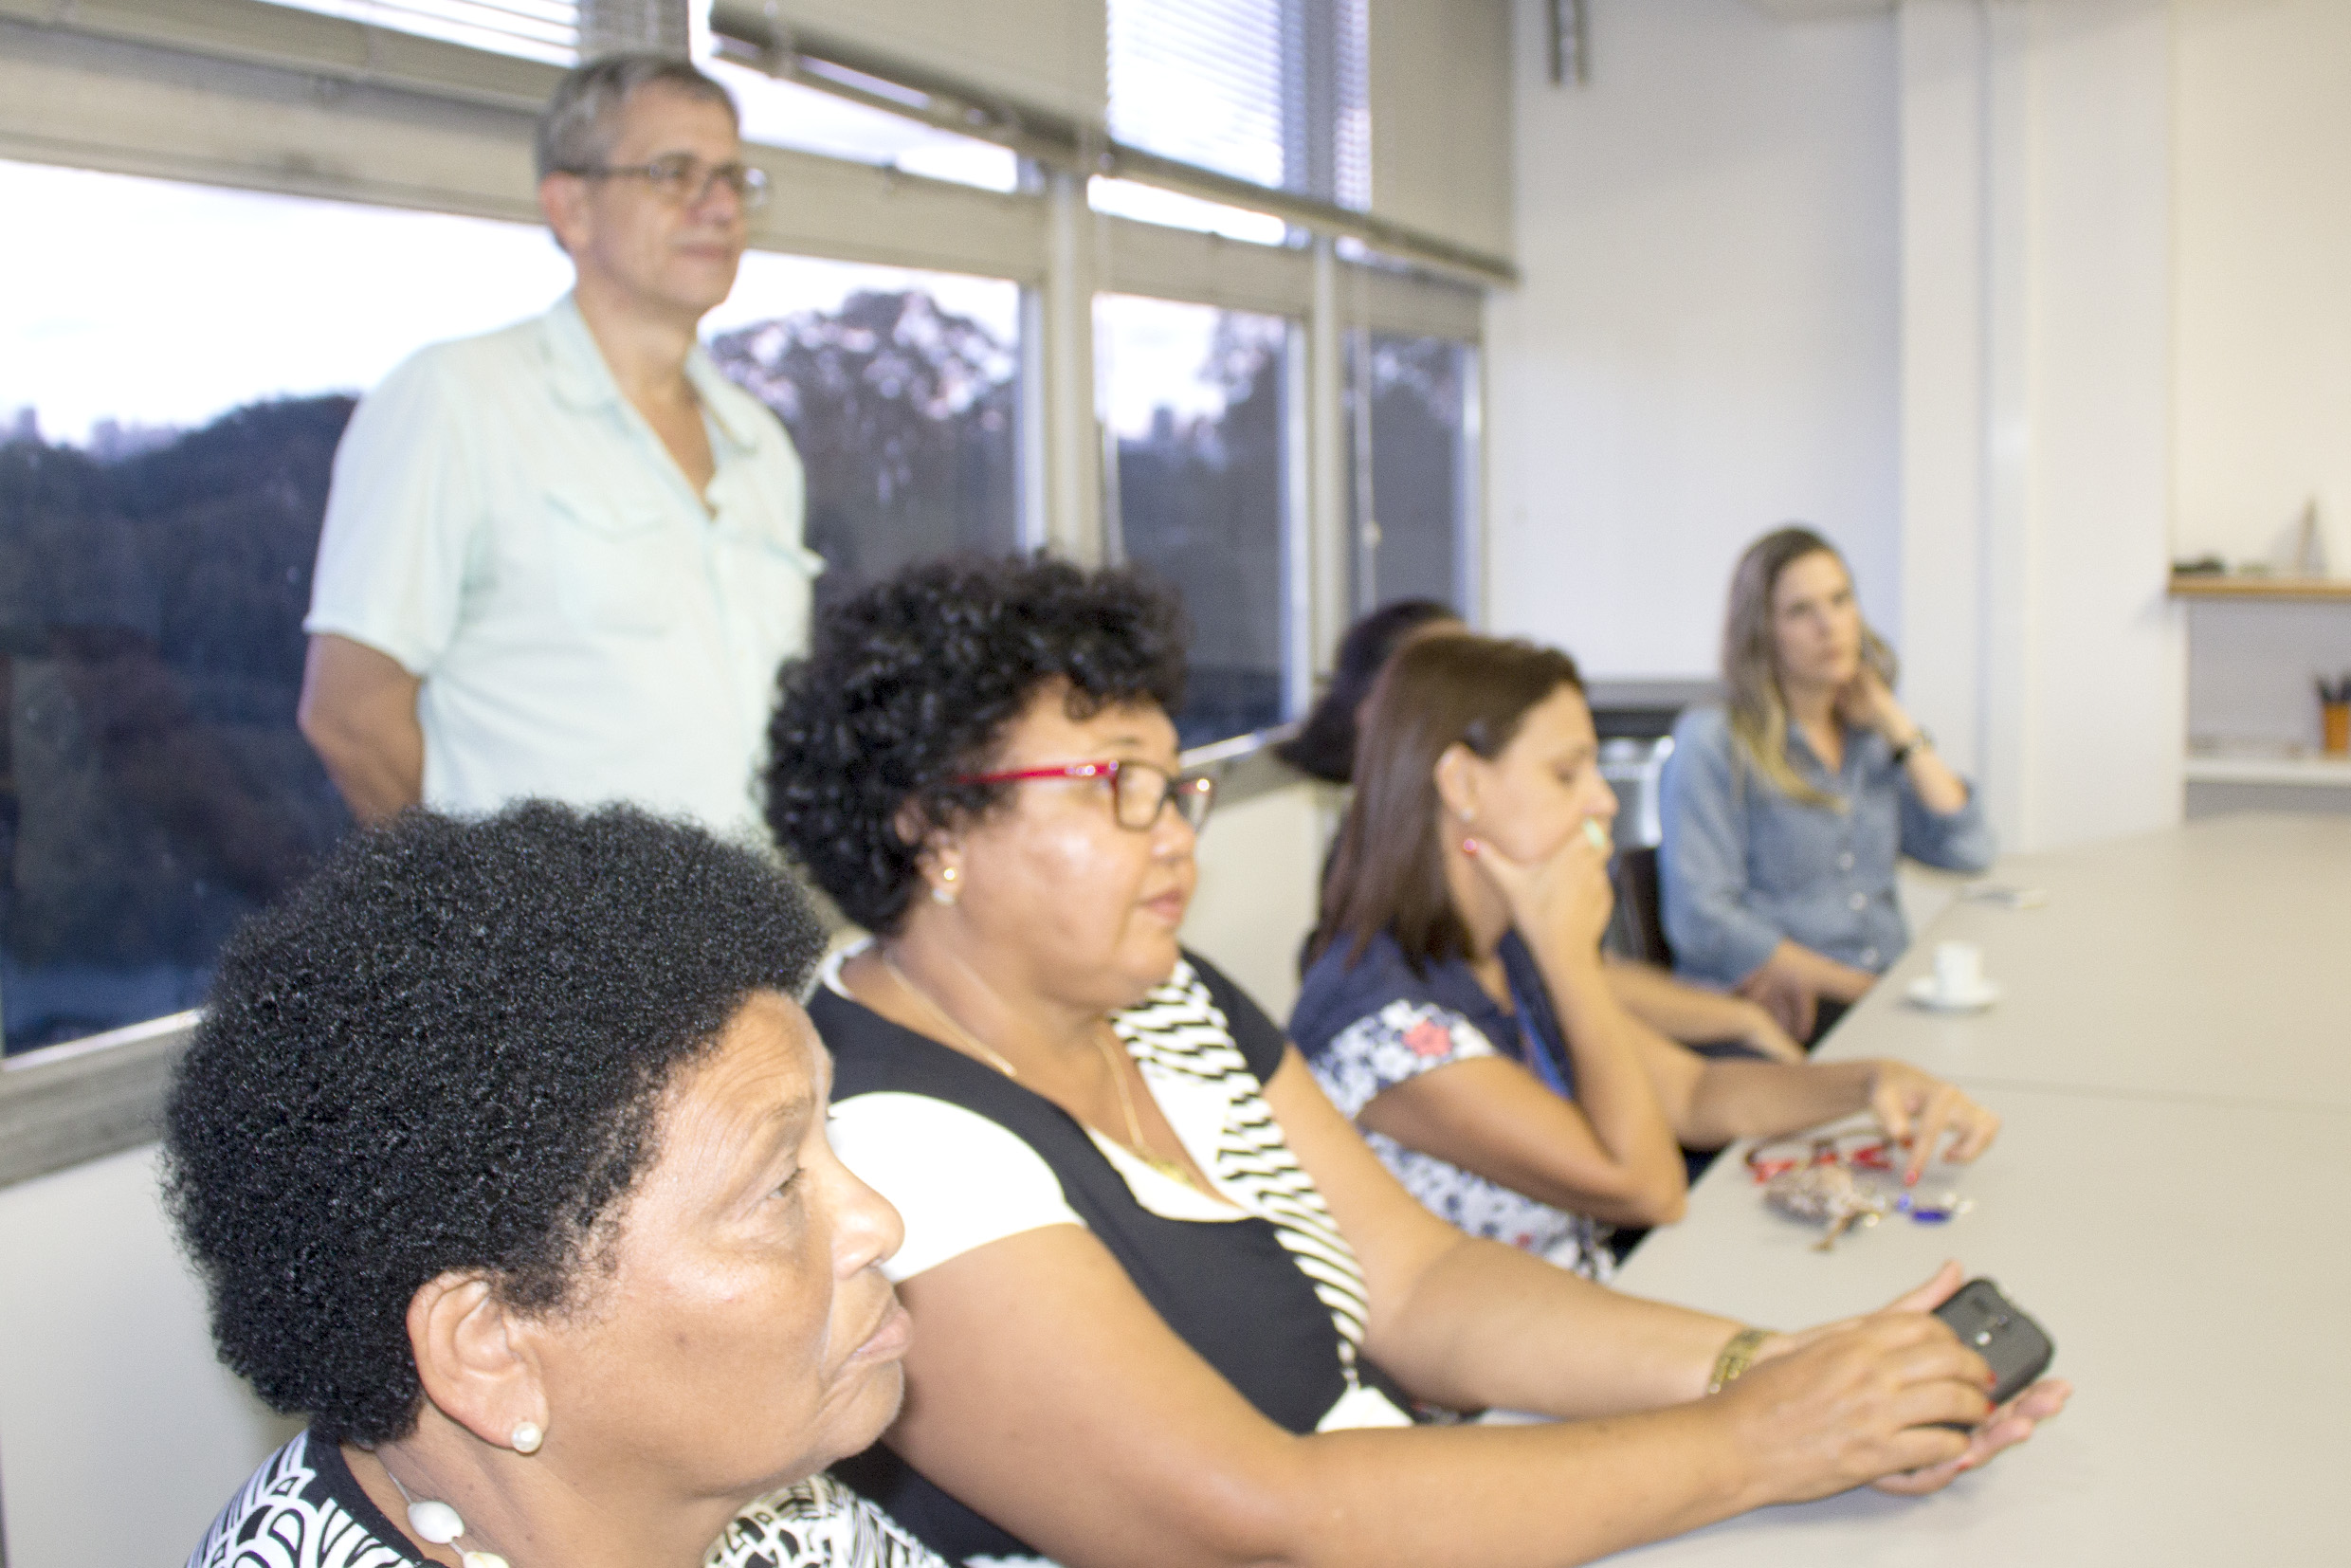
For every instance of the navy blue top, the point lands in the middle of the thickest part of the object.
(1368, 1026)
(1743, 865)
(1335, 992)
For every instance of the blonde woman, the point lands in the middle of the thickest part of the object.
(1785, 808)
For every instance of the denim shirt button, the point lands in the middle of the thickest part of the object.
(1859, 901)
(1868, 954)
(1845, 861)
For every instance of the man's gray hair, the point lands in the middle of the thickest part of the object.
(578, 127)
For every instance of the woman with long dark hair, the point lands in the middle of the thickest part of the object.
(1786, 808)
(1458, 1010)
(1324, 748)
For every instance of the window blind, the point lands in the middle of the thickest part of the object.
(1350, 172)
(1274, 92)
(534, 29)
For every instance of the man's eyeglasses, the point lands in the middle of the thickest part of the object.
(1139, 791)
(683, 180)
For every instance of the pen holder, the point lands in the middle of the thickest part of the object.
(2335, 728)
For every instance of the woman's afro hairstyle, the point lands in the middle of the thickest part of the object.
(912, 684)
(447, 1051)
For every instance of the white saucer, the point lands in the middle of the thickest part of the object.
(1923, 992)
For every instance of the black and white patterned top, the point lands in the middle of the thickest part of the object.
(1368, 1026)
(304, 1509)
(1257, 1279)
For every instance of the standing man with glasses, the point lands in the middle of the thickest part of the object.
(564, 558)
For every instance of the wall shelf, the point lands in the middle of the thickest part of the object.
(2233, 587)
(2305, 769)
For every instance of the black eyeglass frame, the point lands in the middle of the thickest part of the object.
(672, 175)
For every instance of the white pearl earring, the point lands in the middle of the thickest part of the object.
(526, 1438)
(943, 890)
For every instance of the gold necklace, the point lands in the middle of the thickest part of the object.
(1174, 1170)
(978, 1046)
(1114, 1061)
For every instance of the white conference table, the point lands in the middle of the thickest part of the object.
(2171, 1059)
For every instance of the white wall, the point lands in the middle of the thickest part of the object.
(2261, 382)
(1261, 868)
(1706, 340)
(120, 1434)
(2261, 377)
(2036, 215)
(1908, 276)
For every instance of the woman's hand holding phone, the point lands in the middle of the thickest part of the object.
(1875, 1400)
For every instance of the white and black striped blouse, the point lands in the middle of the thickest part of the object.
(1258, 1281)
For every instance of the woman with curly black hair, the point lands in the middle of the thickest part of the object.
(502, 1149)
(1169, 1307)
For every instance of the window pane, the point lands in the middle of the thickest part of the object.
(1193, 396)
(1411, 463)
(168, 434)
(165, 441)
(900, 390)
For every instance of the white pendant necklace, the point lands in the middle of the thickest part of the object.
(437, 1522)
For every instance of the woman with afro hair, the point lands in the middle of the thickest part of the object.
(502, 1150)
(1169, 1307)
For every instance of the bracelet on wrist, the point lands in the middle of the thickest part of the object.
(1919, 742)
(1737, 1356)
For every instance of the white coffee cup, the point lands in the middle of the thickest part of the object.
(1958, 971)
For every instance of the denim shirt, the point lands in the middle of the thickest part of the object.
(1742, 865)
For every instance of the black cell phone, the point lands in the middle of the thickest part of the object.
(1995, 1328)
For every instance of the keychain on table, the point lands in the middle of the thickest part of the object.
(1840, 1187)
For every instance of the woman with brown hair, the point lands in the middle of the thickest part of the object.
(1324, 748)
(1786, 808)
(1458, 1010)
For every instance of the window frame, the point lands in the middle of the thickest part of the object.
(245, 95)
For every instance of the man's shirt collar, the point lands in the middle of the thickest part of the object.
(583, 379)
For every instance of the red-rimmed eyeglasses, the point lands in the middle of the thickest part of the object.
(1139, 791)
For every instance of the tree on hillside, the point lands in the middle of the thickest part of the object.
(155, 788)
(1200, 504)
(904, 417)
